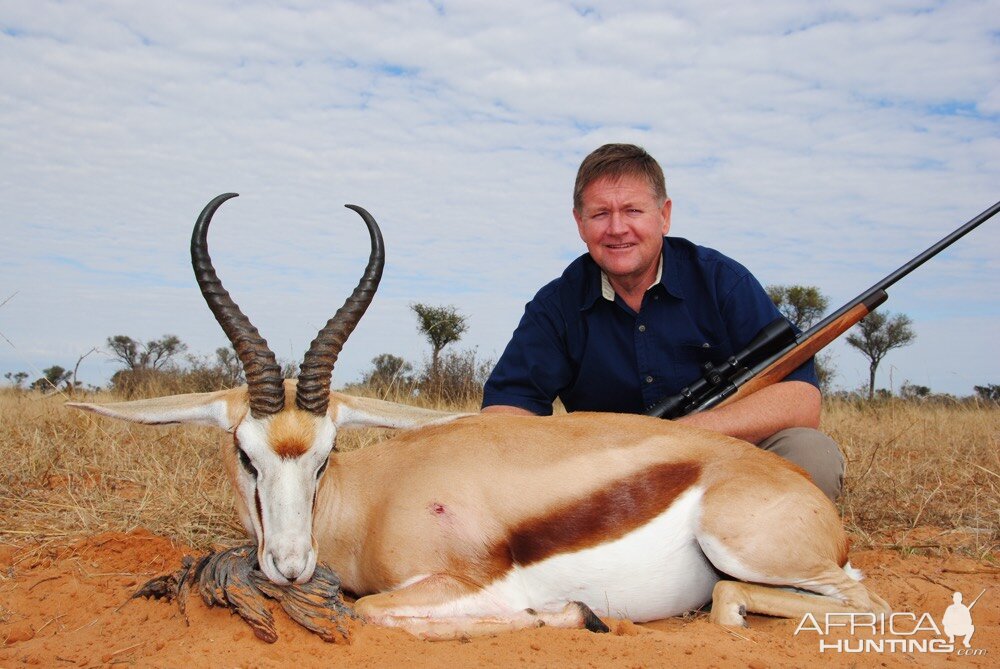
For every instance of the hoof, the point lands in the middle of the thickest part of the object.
(590, 619)
(729, 615)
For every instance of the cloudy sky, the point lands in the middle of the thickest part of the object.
(817, 143)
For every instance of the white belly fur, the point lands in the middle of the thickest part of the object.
(655, 571)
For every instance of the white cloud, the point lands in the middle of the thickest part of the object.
(816, 145)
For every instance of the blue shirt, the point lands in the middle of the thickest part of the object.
(599, 355)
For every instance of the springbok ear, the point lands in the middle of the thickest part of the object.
(224, 408)
(349, 411)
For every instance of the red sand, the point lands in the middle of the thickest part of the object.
(67, 605)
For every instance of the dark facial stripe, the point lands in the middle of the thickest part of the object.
(607, 514)
(260, 513)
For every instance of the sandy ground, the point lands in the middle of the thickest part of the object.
(67, 604)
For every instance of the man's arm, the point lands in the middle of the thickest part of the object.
(765, 412)
(504, 408)
(534, 366)
(754, 418)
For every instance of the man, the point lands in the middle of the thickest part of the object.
(634, 319)
(957, 621)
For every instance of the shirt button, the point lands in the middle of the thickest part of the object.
(642, 328)
(706, 345)
(649, 379)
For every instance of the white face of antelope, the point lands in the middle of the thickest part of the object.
(282, 447)
(280, 461)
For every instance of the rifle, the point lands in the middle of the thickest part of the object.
(777, 350)
(977, 599)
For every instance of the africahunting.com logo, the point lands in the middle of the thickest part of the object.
(895, 632)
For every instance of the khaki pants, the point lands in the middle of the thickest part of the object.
(815, 452)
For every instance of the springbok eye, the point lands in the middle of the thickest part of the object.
(245, 461)
(322, 468)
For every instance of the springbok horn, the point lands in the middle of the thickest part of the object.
(313, 393)
(267, 394)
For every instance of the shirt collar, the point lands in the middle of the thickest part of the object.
(598, 286)
(670, 265)
(608, 293)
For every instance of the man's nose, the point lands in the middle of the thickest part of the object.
(617, 223)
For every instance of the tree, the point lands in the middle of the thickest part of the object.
(125, 349)
(388, 372)
(460, 378)
(17, 378)
(988, 393)
(153, 355)
(825, 370)
(913, 391)
(52, 378)
(230, 368)
(877, 334)
(159, 352)
(73, 383)
(441, 326)
(143, 364)
(803, 306)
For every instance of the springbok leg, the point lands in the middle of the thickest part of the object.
(439, 607)
(803, 547)
(732, 600)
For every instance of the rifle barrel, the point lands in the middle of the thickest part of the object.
(911, 265)
(977, 599)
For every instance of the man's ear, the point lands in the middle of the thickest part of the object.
(579, 223)
(665, 213)
(224, 409)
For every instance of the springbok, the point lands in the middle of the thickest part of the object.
(474, 524)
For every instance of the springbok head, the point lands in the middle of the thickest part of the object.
(282, 432)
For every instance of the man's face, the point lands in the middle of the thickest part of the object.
(623, 225)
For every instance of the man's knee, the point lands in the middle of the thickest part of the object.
(814, 452)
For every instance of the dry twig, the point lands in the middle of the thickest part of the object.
(231, 579)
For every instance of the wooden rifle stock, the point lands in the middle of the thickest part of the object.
(788, 362)
(739, 381)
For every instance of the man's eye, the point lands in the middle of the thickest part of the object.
(245, 461)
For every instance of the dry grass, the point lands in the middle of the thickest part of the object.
(64, 472)
(919, 477)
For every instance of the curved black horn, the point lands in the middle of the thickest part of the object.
(267, 394)
(313, 393)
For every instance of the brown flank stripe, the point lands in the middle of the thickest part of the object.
(607, 514)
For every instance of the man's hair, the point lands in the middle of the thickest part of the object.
(616, 161)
